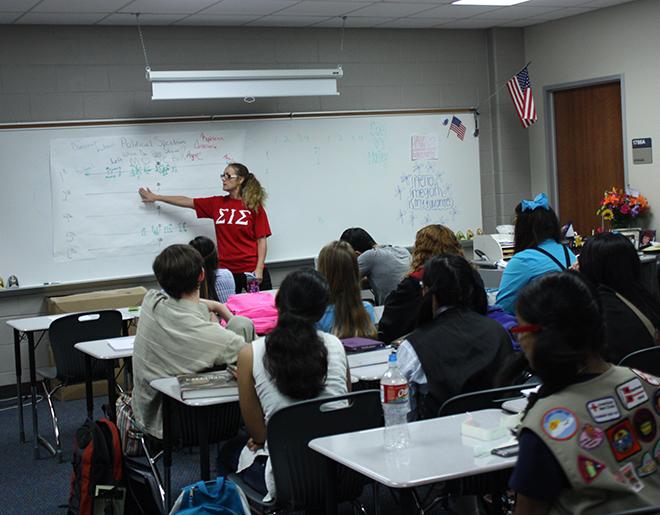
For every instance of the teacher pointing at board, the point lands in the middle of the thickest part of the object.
(241, 223)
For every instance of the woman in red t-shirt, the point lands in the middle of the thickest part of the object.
(241, 223)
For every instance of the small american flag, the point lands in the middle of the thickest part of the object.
(457, 127)
(520, 90)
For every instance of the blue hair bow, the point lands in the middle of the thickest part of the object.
(539, 201)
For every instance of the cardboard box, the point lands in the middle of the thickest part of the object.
(109, 299)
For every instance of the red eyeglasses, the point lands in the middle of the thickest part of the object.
(521, 329)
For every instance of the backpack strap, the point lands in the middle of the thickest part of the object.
(642, 317)
(115, 448)
(553, 258)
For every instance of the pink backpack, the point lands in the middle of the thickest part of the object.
(258, 307)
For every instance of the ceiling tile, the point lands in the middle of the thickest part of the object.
(167, 6)
(516, 23)
(355, 22)
(79, 6)
(286, 21)
(218, 20)
(458, 11)
(605, 3)
(391, 9)
(320, 8)
(413, 23)
(261, 7)
(7, 18)
(468, 24)
(561, 13)
(60, 19)
(557, 3)
(145, 19)
(517, 12)
(18, 6)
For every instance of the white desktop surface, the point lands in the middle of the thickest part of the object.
(369, 372)
(515, 405)
(100, 349)
(371, 357)
(42, 323)
(170, 386)
(437, 452)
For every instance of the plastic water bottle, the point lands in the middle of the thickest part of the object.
(394, 398)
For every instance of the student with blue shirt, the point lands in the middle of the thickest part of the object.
(347, 315)
(538, 249)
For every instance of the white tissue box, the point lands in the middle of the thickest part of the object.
(484, 428)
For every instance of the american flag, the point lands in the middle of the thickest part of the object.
(457, 127)
(520, 90)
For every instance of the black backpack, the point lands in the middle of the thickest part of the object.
(97, 460)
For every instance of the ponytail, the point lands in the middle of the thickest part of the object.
(296, 356)
(252, 193)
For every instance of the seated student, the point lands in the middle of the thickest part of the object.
(537, 251)
(218, 282)
(632, 313)
(404, 305)
(589, 436)
(293, 363)
(347, 315)
(460, 350)
(179, 333)
(382, 265)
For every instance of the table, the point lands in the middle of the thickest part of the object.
(102, 350)
(24, 329)
(437, 452)
(169, 387)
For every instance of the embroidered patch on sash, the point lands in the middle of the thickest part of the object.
(645, 425)
(559, 423)
(622, 440)
(590, 437)
(628, 471)
(656, 401)
(632, 393)
(656, 451)
(647, 467)
(603, 410)
(651, 379)
(589, 468)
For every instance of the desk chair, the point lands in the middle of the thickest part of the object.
(301, 473)
(69, 367)
(483, 399)
(646, 360)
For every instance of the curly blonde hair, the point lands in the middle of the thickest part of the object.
(252, 193)
(431, 240)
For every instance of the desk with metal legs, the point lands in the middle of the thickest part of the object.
(25, 329)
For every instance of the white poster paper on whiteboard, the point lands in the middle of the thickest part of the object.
(96, 211)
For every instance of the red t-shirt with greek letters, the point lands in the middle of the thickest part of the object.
(237, 230)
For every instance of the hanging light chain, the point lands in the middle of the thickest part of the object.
(144, 48)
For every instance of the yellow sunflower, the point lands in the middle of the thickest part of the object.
(607, 214)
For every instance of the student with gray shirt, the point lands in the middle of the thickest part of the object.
(383, 265)
(179, 333)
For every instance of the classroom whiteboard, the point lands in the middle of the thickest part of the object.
(71, 211)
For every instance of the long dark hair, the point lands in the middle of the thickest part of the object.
(296, 357)
(611, 259)
(207, 249)
(535, 226)
(454, 282)
(571, 327)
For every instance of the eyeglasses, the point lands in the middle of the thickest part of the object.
(228, 177)
(522, 329)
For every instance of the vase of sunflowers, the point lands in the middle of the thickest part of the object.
(622, 208)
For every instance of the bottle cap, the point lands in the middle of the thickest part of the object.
(392, 358)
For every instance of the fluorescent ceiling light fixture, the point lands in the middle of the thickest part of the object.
(489, 2)
(171, 85)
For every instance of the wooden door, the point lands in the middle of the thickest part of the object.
(589, 150)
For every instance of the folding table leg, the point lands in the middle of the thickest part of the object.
(112, 390)
(167, 451)
(33, 393)
(89, 392)
(19, 392)
(203, 433)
